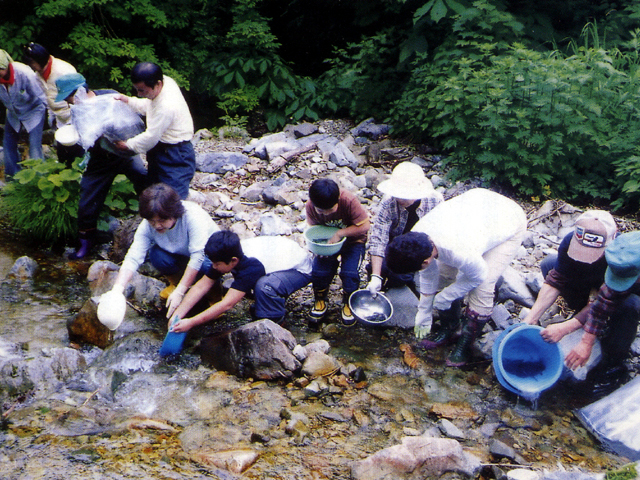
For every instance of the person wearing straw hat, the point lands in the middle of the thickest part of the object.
(461, 248)
(26, 106)
(612, 317)
(409, 195)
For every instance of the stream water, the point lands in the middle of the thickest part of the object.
(128, 413)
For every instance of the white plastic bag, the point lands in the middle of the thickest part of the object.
(103, 115)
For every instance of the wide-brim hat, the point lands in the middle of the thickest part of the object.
(67, 84)
(407, 182)
(594, 230)
(623, 262)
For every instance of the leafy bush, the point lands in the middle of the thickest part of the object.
(42, 200)
(541, 123)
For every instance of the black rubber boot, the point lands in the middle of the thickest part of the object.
(449, 322)
(470, 331)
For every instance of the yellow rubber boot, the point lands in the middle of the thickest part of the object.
(173, 283)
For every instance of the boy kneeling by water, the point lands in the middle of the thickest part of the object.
(270, 266)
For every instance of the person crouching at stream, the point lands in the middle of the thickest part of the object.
(271, 267)
(461, 248)
(173, 234)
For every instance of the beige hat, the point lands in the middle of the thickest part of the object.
(407, 182)
(594, 230)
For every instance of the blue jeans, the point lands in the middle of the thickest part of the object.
(173, 263)
(174, 165)
(272, 290)
(10, 145)
(349, 258)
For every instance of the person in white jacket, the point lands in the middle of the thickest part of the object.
(167, 139)
(461, 249)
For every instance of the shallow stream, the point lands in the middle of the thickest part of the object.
(130, 414)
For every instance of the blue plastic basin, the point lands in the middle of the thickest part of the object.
(524, 363)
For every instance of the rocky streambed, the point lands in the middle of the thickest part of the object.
(374, 407)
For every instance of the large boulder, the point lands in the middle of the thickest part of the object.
(259, 349)
(416, 458)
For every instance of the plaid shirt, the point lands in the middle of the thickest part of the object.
(595, 317)
(391, 221)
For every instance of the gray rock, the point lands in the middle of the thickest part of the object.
(534, 281)
(318, 364)
(513, 286)
(571, 475)
(370, 129)
(23, 269)
(416, 458)
(272, 224)
(449, 430)
(501, 450)
(220, 162)
(254, 192)
(501, 316)
(304, 129)
(343, 157)
(405, 307)
(522, 474)
(259, 349)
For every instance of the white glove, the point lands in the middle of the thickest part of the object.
(375, 284)
(441, 303)
(424, 316)
(175, 298)
(112, 307)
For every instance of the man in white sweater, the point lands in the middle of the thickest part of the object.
(167, 139)
(461, 248)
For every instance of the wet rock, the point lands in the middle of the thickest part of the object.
(14, 372)
(501, 450)
(522, 474)
(259, 349)
(534, 281)
(236, 461)
(142, 290)
(449, 430)
(416, 458)
(571, 475)
(23, 269)
(220, 162)
(85, 328)
(318, 364)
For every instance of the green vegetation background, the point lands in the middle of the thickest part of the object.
(540, 97)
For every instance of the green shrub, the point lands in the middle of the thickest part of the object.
(541, 123)
(42, 200)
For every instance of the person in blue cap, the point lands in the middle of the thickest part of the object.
(101, 170)
(612, 317)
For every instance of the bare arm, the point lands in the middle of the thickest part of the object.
(376, 265)
(350, 231)
(228, 301)
(546, 297)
